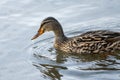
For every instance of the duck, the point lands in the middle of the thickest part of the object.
(91, 42)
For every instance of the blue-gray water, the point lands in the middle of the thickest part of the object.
(23, 59)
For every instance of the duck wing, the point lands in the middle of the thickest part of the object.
(101, 35)
(95, 42)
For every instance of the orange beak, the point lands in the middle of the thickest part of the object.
(38, 34)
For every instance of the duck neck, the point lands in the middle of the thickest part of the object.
(59, 34)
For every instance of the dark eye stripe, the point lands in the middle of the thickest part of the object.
(45, 22)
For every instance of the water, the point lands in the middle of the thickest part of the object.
(23, 59)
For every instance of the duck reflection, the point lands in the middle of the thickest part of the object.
(51, 71)
(62, 57)
(53, 68)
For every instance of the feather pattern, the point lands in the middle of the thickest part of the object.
(100, 41)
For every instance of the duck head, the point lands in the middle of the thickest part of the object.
(48, 24)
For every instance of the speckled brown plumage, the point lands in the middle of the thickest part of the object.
(100, 41)
(91, 42)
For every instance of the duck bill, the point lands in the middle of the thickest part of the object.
(38, 34)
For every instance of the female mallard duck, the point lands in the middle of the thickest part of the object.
(100, 41)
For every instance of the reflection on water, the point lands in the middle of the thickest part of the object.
(51, 71)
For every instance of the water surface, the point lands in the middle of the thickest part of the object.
(23, 59)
